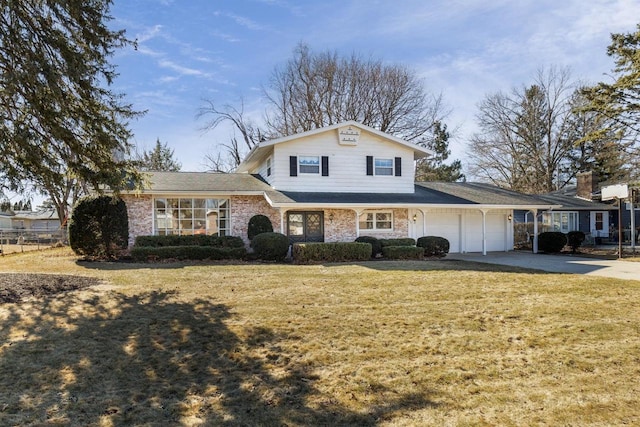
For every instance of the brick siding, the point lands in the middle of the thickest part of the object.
(140, 212)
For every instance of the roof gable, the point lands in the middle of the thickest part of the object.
(344, 137)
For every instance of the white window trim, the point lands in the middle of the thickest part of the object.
(393, 166)
(375, 222)
(300, 171)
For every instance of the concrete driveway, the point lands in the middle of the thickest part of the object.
(558, 263)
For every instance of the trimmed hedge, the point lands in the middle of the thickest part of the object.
(575, 239)
(331, 252)
(258, 224)
(433, 246)
(402, 252)
(173, 240)
(270, 246)
(405, 241)
(149, 253)
(99, 227)
(551, 241)
(376, 246)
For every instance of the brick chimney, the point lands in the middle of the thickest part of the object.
(586, 183)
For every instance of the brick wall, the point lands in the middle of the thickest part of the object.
(342, 228)
(140, 212)
(244, 207)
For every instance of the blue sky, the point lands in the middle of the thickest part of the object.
(192, 50)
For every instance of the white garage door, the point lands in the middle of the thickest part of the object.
(447, 226)
(495, 232)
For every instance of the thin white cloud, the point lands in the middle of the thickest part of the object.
(180, 69)
(243, 21)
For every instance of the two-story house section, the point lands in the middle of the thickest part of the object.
(329, 185)
(345, 158)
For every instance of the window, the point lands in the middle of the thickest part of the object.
(382, 221)
(269, 166)
(191, 216)
(384, 167)
(560, 221)
(599, 221)
(309, 164)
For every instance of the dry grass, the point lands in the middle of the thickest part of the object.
(379, 343)
(13, 249)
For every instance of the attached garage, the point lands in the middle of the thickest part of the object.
(446, 223)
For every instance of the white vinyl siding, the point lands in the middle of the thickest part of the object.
(348, 165)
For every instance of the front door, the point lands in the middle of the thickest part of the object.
(305, 226)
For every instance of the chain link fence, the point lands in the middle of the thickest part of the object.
(12, 241)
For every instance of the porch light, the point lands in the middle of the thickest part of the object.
(331, 217)
(415, 217)
(509, 217)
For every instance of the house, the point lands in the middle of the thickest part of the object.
(330, 184)
(33, 221)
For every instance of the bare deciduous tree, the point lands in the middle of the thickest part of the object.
(527, 134)
(313, 90)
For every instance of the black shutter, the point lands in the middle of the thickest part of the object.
(369, 165)
(293, 165)
(398, 166)
(325, 165)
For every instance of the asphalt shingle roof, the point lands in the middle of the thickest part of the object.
(205, 182)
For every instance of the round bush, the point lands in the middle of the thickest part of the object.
(270, 246)
(434, 246)
(575, 239)
(99, 227)
(376, 245)
(258, 224)
(551, 241)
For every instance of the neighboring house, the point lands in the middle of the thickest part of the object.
(331, 184)
(5, 219)
(36, 221)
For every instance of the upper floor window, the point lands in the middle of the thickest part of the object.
(309, 164)
(384, 167)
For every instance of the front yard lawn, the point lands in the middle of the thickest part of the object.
(376, 343)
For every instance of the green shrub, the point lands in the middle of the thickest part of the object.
(258, 224)
(551, 241)
(99, 227)
(270, 246)
(402, 252)
(434, 246)
(150, 253)
(194, 240)
(575, 240)
(331, 252)
(376, 246)
(405, 241)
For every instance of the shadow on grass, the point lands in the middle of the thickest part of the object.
(441, 265)
(148, 359)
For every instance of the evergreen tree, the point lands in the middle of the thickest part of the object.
(60, 121)
(618, 103)
(159, 159)
(434, 168)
